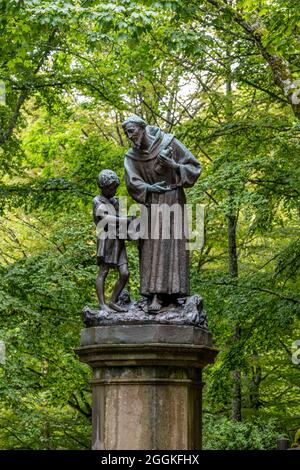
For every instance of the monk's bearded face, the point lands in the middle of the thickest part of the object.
(135, 134)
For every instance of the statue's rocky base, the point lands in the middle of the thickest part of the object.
(147, 387)
(188, 311)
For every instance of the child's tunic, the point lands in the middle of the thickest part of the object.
(109, 251)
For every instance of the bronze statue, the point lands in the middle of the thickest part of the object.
(157, 169)
(111, 251)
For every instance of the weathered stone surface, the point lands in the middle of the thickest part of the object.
(147, 387)
(147, 412)
(145, 334)
(188, 312)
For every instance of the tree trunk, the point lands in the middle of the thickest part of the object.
(232, 252)
(232, 219)
(281, 72)
(255, 383)
(236, 414)
(233, 271)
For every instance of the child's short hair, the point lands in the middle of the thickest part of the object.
(106, 178)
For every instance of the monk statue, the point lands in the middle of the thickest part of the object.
(157, 169)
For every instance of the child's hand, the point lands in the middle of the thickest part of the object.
(130, 218)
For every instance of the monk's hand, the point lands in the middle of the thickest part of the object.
(160, 187)
(167, 162)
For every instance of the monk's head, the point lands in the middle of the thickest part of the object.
(135, 130)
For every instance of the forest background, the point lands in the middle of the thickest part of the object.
(224, 76)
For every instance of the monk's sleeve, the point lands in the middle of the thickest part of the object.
(189, 168)
(136, 186)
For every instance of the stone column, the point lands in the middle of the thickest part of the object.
(146, 386)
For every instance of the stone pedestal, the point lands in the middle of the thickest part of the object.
(147, 388)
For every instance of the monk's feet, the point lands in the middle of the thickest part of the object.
(155, 305)
(116, 307)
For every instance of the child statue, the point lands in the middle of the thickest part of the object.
(111, 251)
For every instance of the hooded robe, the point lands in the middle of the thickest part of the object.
(164, 263)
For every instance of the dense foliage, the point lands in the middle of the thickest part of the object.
(224, 77)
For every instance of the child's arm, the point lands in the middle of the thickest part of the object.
(101, 211)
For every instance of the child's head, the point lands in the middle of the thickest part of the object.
(108, 182)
